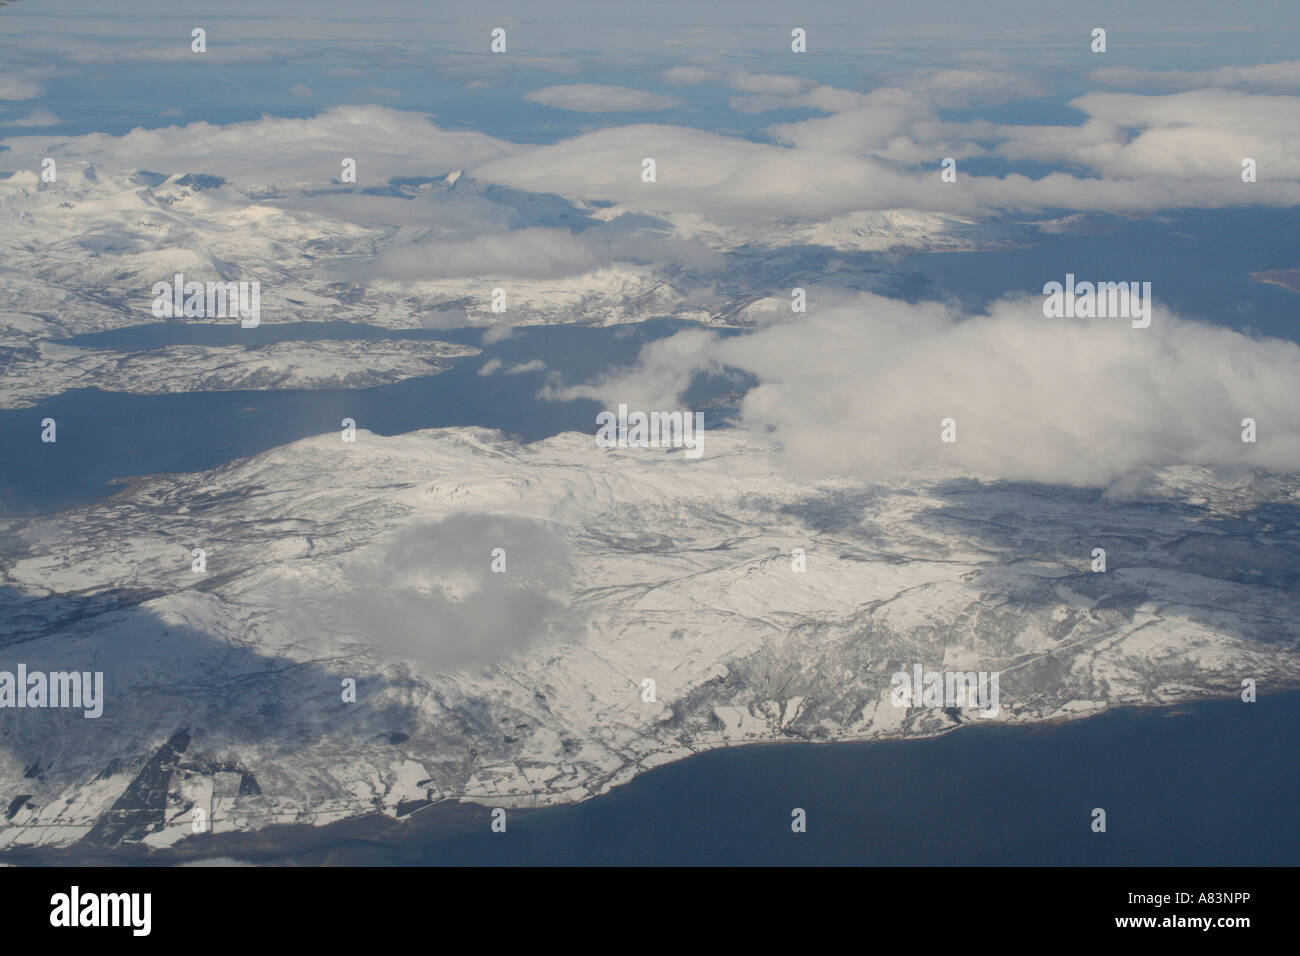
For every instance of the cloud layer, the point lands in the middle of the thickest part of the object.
(430, 594)
(882, 150)
(874, 150)
(594, 98)
(860, 384)
(385, 143)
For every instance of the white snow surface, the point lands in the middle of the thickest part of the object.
(622, 565)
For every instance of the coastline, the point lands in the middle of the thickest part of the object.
(381, 833)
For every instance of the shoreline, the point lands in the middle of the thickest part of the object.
(288, 843)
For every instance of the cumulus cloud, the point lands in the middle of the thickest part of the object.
(732, 180)
(1153, 152)
(521, 253)
(454, 213)
(385, 143)
(493, 365)
(742, 81)
(876, 150)
(448, 317)
(16, 88)
(533, 252)
(967, 88)
(497, 333)
(37, 117)
(826, 99)
(1204, 133)
(690, 75)
(533, 365)
(863, 123)
(922, 93)
(1200, 135)
(1262, 76)
(595, 98)
(860, 384)
(696, 170)
(429, 593)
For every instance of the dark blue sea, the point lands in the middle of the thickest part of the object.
(1211, 783)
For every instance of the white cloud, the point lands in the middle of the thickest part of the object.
(922, 93)
(595, 98)
(868, 122)
(521, 253)
(384, 142)
(881, 150)
(478, 249)
(690, 75)
(696, 171)
(967, 88)
(533, 365)
(827, 99)
(16, 88)
(860, 384)
(37, 117)
(1204, 133)
(1263, 76)
(429, 594)
(731, 180)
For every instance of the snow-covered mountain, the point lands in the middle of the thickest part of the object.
(47, 369)
(82, 254)
(516, 677)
